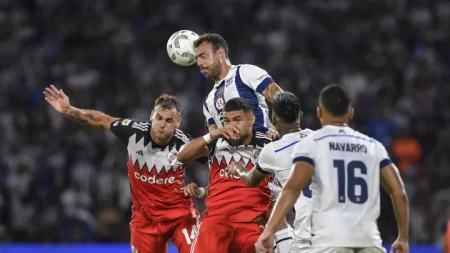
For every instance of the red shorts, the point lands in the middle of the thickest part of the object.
(226, 238)
(152, 237)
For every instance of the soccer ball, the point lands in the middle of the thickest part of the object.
(180, 47)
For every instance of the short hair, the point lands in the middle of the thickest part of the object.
(238, 104)
(335, 99)
(215, 39)
(286, 106)
(168, 102)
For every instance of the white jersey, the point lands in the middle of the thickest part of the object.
(246, 81)
(345, 185)
(276, 157)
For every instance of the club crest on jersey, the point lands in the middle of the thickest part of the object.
(256, 154)
(219, 103)
(172, 156)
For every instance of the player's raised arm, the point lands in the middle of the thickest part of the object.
(60, 102)
(202, 146)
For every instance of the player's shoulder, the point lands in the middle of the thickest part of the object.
(261, 139)
(249, 68)
(134, 124)
(181, 136)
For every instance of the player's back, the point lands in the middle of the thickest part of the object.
(346, 186)
(276, 157)
(230, 199)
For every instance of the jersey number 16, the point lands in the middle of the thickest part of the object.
(348, 181)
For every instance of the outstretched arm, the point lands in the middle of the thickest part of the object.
(60, 102)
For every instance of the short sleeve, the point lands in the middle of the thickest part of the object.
(383, 156)
(266, 161)
(304, 151)
(255, 77)
(125, 128)
(209, 119)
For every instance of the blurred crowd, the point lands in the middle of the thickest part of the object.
(60, 181)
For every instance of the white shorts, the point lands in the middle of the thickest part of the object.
(346, 250)
(300, 246)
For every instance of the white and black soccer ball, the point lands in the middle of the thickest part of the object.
(180, 47)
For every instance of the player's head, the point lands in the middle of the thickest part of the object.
(335, 105)
(211, 51)
(165, 117)
(286, 110)
(239, 112)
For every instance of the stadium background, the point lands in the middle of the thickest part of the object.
(61, 182)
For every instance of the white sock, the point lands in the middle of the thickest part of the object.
(283, 240)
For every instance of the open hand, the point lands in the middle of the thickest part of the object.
(190, 190)
(56, 98)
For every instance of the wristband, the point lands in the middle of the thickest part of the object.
(207, 138)
(202, 192)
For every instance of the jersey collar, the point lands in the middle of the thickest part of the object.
(226, 77)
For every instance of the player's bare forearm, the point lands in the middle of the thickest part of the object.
(89, 117)
(401, 209)
(393, 184)
(250, 178)
(271, 90)
(193, 150)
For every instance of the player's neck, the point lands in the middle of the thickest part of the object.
(225, 69)
(160, 141)
(249, 139)
(288, 129)
(332, 122)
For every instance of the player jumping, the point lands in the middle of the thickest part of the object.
(160, 211)
(234, 212)
(231, 81)
(346, 167)
(275, 158)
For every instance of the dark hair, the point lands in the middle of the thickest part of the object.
(168, 102)
(238, 104)
(335, 99)
(286, 106)
(215, 39)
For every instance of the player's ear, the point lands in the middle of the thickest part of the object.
(151, 115)
(319, 112)
(273, 119)
(351, 113)
(221, 53)
(252, 118)
(179, 122)
(301, 116)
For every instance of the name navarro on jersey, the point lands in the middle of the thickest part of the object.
(348, 147)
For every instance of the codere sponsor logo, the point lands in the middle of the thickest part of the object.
(153, 179)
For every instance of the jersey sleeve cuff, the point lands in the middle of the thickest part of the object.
(263, 85)
(303, 159)
(385, 162)
(258, 168)
(211, 122)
